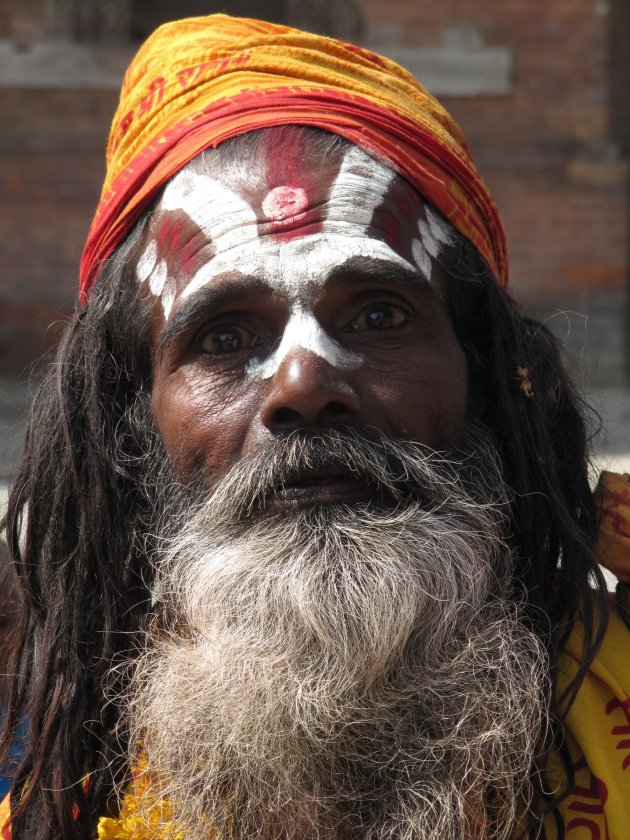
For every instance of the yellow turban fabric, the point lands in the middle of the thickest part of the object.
(197, 82)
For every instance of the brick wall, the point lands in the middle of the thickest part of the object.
(51, 167)
(544, 149)
(22, 19)
(550, 150)
(545, 146)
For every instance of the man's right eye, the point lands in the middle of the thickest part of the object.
(228, 339)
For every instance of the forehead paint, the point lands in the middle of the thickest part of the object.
(295, 267)
(434, 232)
(440, 228)
(210, 207)
(147, 268)
(219, 212)
(421, 258)
(284, 204)
(359, 177)
(298, 265)
(176, 250)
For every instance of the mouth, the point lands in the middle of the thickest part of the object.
(318, 487)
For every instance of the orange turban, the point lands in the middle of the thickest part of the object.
(197, 82)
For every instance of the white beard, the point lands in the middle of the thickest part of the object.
(344, 672)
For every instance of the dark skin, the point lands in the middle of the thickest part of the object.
(407, 374)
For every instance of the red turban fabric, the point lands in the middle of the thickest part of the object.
(197, 82)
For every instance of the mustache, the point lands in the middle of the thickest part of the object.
(397, 472)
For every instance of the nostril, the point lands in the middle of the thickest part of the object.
(335, 410)
(307, 392)
(287, 417)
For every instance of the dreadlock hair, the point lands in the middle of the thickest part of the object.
(524, 395)
(71, 523)
(77, 514)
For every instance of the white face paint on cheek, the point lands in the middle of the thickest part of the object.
(303, 331)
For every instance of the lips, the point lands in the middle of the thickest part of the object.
(320, 486)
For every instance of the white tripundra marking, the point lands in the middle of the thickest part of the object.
(358, 174)
(294, 267)
(421, 257)
(434, 234)
(216, 209)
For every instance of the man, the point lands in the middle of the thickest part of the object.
(309, 544)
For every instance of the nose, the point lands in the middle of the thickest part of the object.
(306, 391)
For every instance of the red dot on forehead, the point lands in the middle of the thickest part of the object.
(284, 203)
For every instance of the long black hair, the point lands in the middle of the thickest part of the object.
(78, 510)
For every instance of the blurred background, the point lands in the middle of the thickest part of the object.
(540, 88)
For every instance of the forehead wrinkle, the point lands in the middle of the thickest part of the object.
(213, 206)
(317, 255)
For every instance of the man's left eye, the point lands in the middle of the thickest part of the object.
(379, 316)
(228, 339)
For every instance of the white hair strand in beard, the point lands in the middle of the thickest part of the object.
(343, 672)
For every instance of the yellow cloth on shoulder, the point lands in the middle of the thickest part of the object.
(598, 738)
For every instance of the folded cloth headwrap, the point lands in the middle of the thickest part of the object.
(197, 82)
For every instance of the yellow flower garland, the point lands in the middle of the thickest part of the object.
(137, 821)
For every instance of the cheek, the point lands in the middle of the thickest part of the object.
(426, 398)
(203, 427)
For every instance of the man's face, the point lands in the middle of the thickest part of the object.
(298, 297)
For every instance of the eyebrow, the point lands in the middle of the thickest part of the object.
(357, 270)
(233, 287)
(222, 291)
